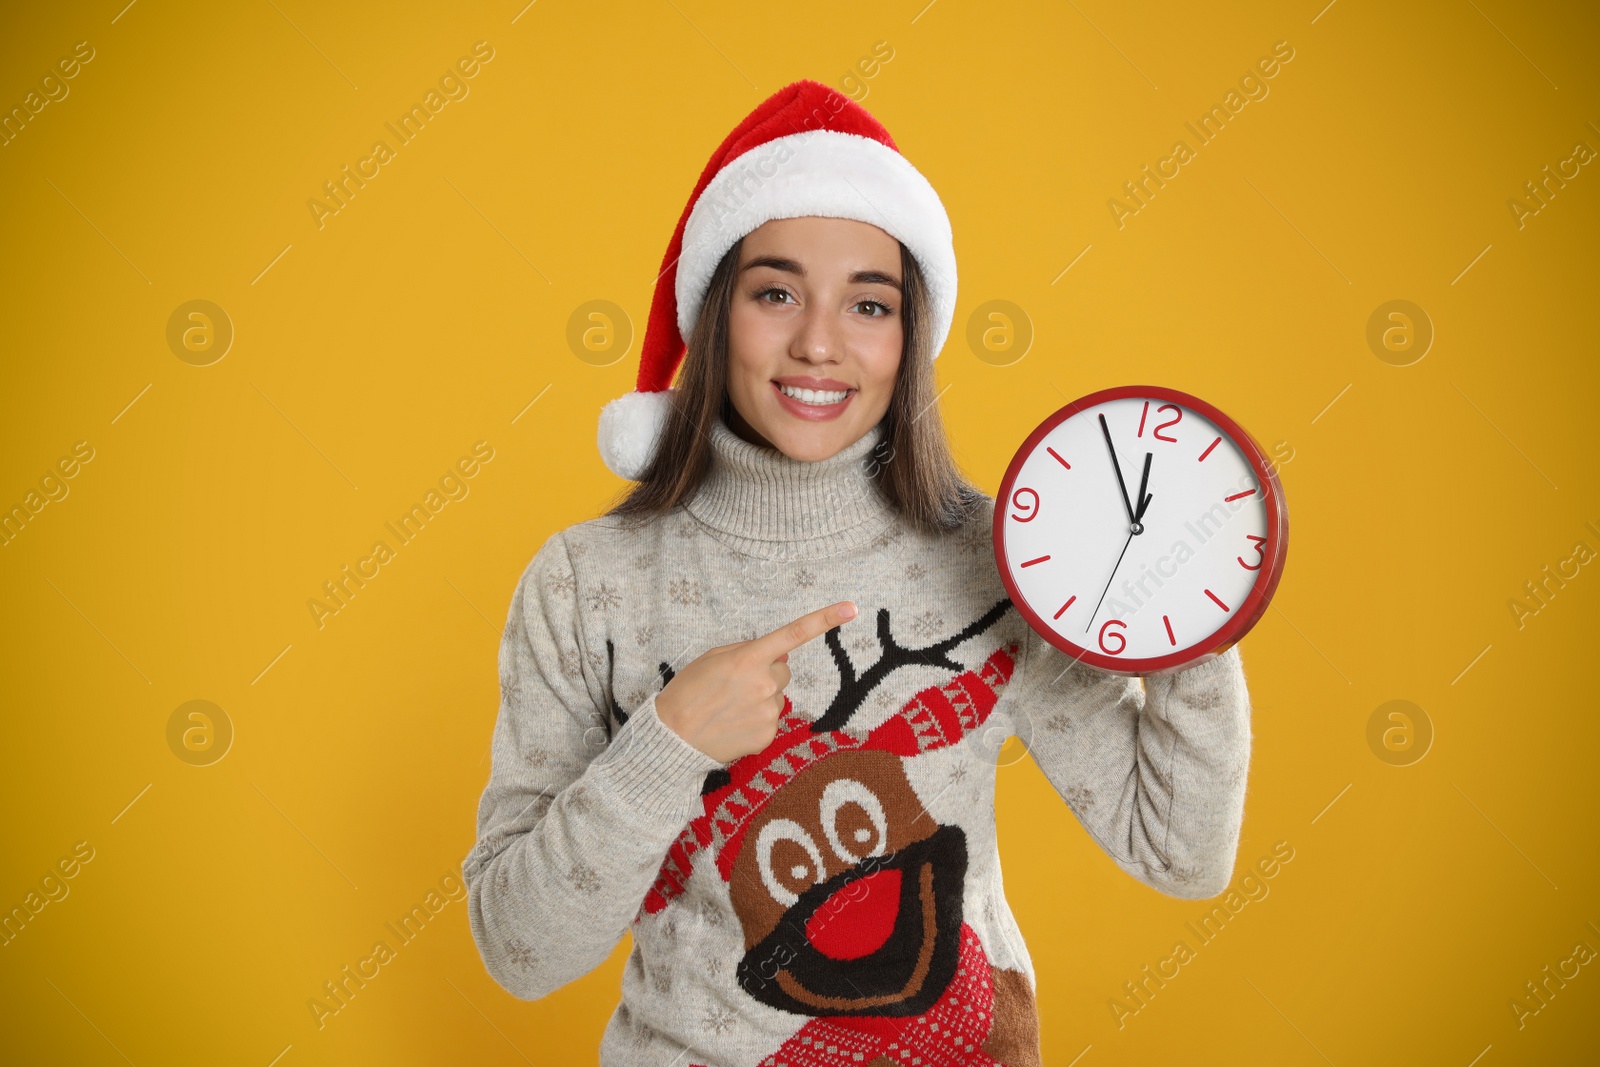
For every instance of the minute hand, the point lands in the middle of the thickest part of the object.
(1126, 503)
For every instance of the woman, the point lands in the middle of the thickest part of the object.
(789, 807)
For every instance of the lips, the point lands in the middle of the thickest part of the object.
(815, 401)
(806, 381)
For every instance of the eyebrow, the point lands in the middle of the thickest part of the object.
(860, 277)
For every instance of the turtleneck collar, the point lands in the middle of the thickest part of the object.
(764, 503)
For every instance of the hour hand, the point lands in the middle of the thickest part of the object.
(1144, 497)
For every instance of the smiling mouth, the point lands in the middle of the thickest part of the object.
(927, 926)
(853, 969)
(815, 397)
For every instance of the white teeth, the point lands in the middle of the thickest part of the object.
(814, 396)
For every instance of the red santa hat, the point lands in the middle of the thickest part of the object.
(805, 150)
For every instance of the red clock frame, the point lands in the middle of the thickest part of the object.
(1238, 623)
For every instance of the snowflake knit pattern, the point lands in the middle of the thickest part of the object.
(837, 897)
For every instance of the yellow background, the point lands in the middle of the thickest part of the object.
(371, 353)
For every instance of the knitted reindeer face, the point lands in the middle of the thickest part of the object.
(848, 892)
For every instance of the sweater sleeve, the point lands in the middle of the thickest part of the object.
(574, 822)
(1154, 768)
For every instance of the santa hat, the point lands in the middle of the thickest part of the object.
(805, 150)
(936, 717)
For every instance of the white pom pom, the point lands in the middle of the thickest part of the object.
(630, 431)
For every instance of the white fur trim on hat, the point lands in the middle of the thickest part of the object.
(819, 172)
(630, 430)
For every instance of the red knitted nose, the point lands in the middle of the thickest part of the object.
(858, 918)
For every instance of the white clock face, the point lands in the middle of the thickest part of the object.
(1150, 575)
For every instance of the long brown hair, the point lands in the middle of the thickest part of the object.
(912, 466)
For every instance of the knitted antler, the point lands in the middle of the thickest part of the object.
(854, 690)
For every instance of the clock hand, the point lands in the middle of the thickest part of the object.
(1118, 468)
(1144, 498)
(1113, 577)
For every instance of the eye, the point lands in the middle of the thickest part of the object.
(789, 860)
(853, 819)
(882, 308)
(763, 294)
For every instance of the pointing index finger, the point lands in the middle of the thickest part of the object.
(808, 627)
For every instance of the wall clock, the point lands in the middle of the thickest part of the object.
(1141, 530)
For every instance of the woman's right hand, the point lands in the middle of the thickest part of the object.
(726, 702)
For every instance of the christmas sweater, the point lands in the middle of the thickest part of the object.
(837, 897)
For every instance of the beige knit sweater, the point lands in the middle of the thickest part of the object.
(837, 898)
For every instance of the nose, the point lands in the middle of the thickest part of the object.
(858, 918)
(817, 339)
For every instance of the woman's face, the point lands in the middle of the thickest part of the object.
(815, 334)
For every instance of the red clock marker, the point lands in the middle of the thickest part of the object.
(1059, 460)
(1065, 606)
(1031, 562)
(1236, 496)
(1217, 602)
(1170, 638)
(1209, 447)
